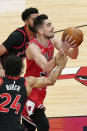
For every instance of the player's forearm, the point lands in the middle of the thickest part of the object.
(2, 72)
(49, 66)
(72, 53)
(42, 82)
(1, 67)
(54, 74)
(3, 50)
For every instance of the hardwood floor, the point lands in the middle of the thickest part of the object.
(67, 97)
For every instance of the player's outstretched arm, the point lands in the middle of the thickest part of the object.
(41, 82)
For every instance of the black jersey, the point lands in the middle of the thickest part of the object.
(12, 99)
(16, 43)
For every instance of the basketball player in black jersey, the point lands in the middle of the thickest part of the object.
(15, 89)
(18, 40)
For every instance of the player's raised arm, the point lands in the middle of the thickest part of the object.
(66, 47)
(41, 82)
(33, 52)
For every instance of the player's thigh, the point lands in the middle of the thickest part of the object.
(40, 119)
(29, 126)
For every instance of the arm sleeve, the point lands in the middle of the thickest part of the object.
(15, 39)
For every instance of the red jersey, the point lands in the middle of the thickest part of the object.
(38, 94)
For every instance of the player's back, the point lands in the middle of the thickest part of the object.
(12, 99)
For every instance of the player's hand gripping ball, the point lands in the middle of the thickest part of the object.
(75, 34)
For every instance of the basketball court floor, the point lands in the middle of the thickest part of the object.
(68, 97)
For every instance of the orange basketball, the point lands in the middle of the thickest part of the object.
(75, 33)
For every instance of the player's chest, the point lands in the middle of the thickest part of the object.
(48, 52)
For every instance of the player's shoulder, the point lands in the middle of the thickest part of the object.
(18, 32)
(33, 45)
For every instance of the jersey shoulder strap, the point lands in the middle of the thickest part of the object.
(23, 32)
(21, 29)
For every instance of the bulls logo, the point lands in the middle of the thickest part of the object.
(79, 74)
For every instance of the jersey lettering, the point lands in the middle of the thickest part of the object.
(49, 55)
(14, 105)
(6, 102)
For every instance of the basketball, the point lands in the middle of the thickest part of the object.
(75, 33)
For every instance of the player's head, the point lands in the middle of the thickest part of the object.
(28, 16)
(13, 66)
(43, 26)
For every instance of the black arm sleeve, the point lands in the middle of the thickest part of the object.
(16, 38)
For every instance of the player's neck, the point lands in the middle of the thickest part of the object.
(30, 33)
(42, 40)
(15, 78)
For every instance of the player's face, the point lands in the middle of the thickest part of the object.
(48, 29)
(31, 20)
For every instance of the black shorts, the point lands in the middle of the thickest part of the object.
(19, 127)
(40, 120)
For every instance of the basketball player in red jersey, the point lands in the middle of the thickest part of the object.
(15, 89)
(18, 40)
(40, 62)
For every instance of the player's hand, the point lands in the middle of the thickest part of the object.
(67, 44)
(2, 73)
(71, 43)
(61, 61)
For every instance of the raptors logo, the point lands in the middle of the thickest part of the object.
(79, 74)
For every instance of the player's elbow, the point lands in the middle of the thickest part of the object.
(74, 56)
(3, 50)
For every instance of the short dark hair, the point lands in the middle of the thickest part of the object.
(38, 21)
(27, 12)
(13, 66)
